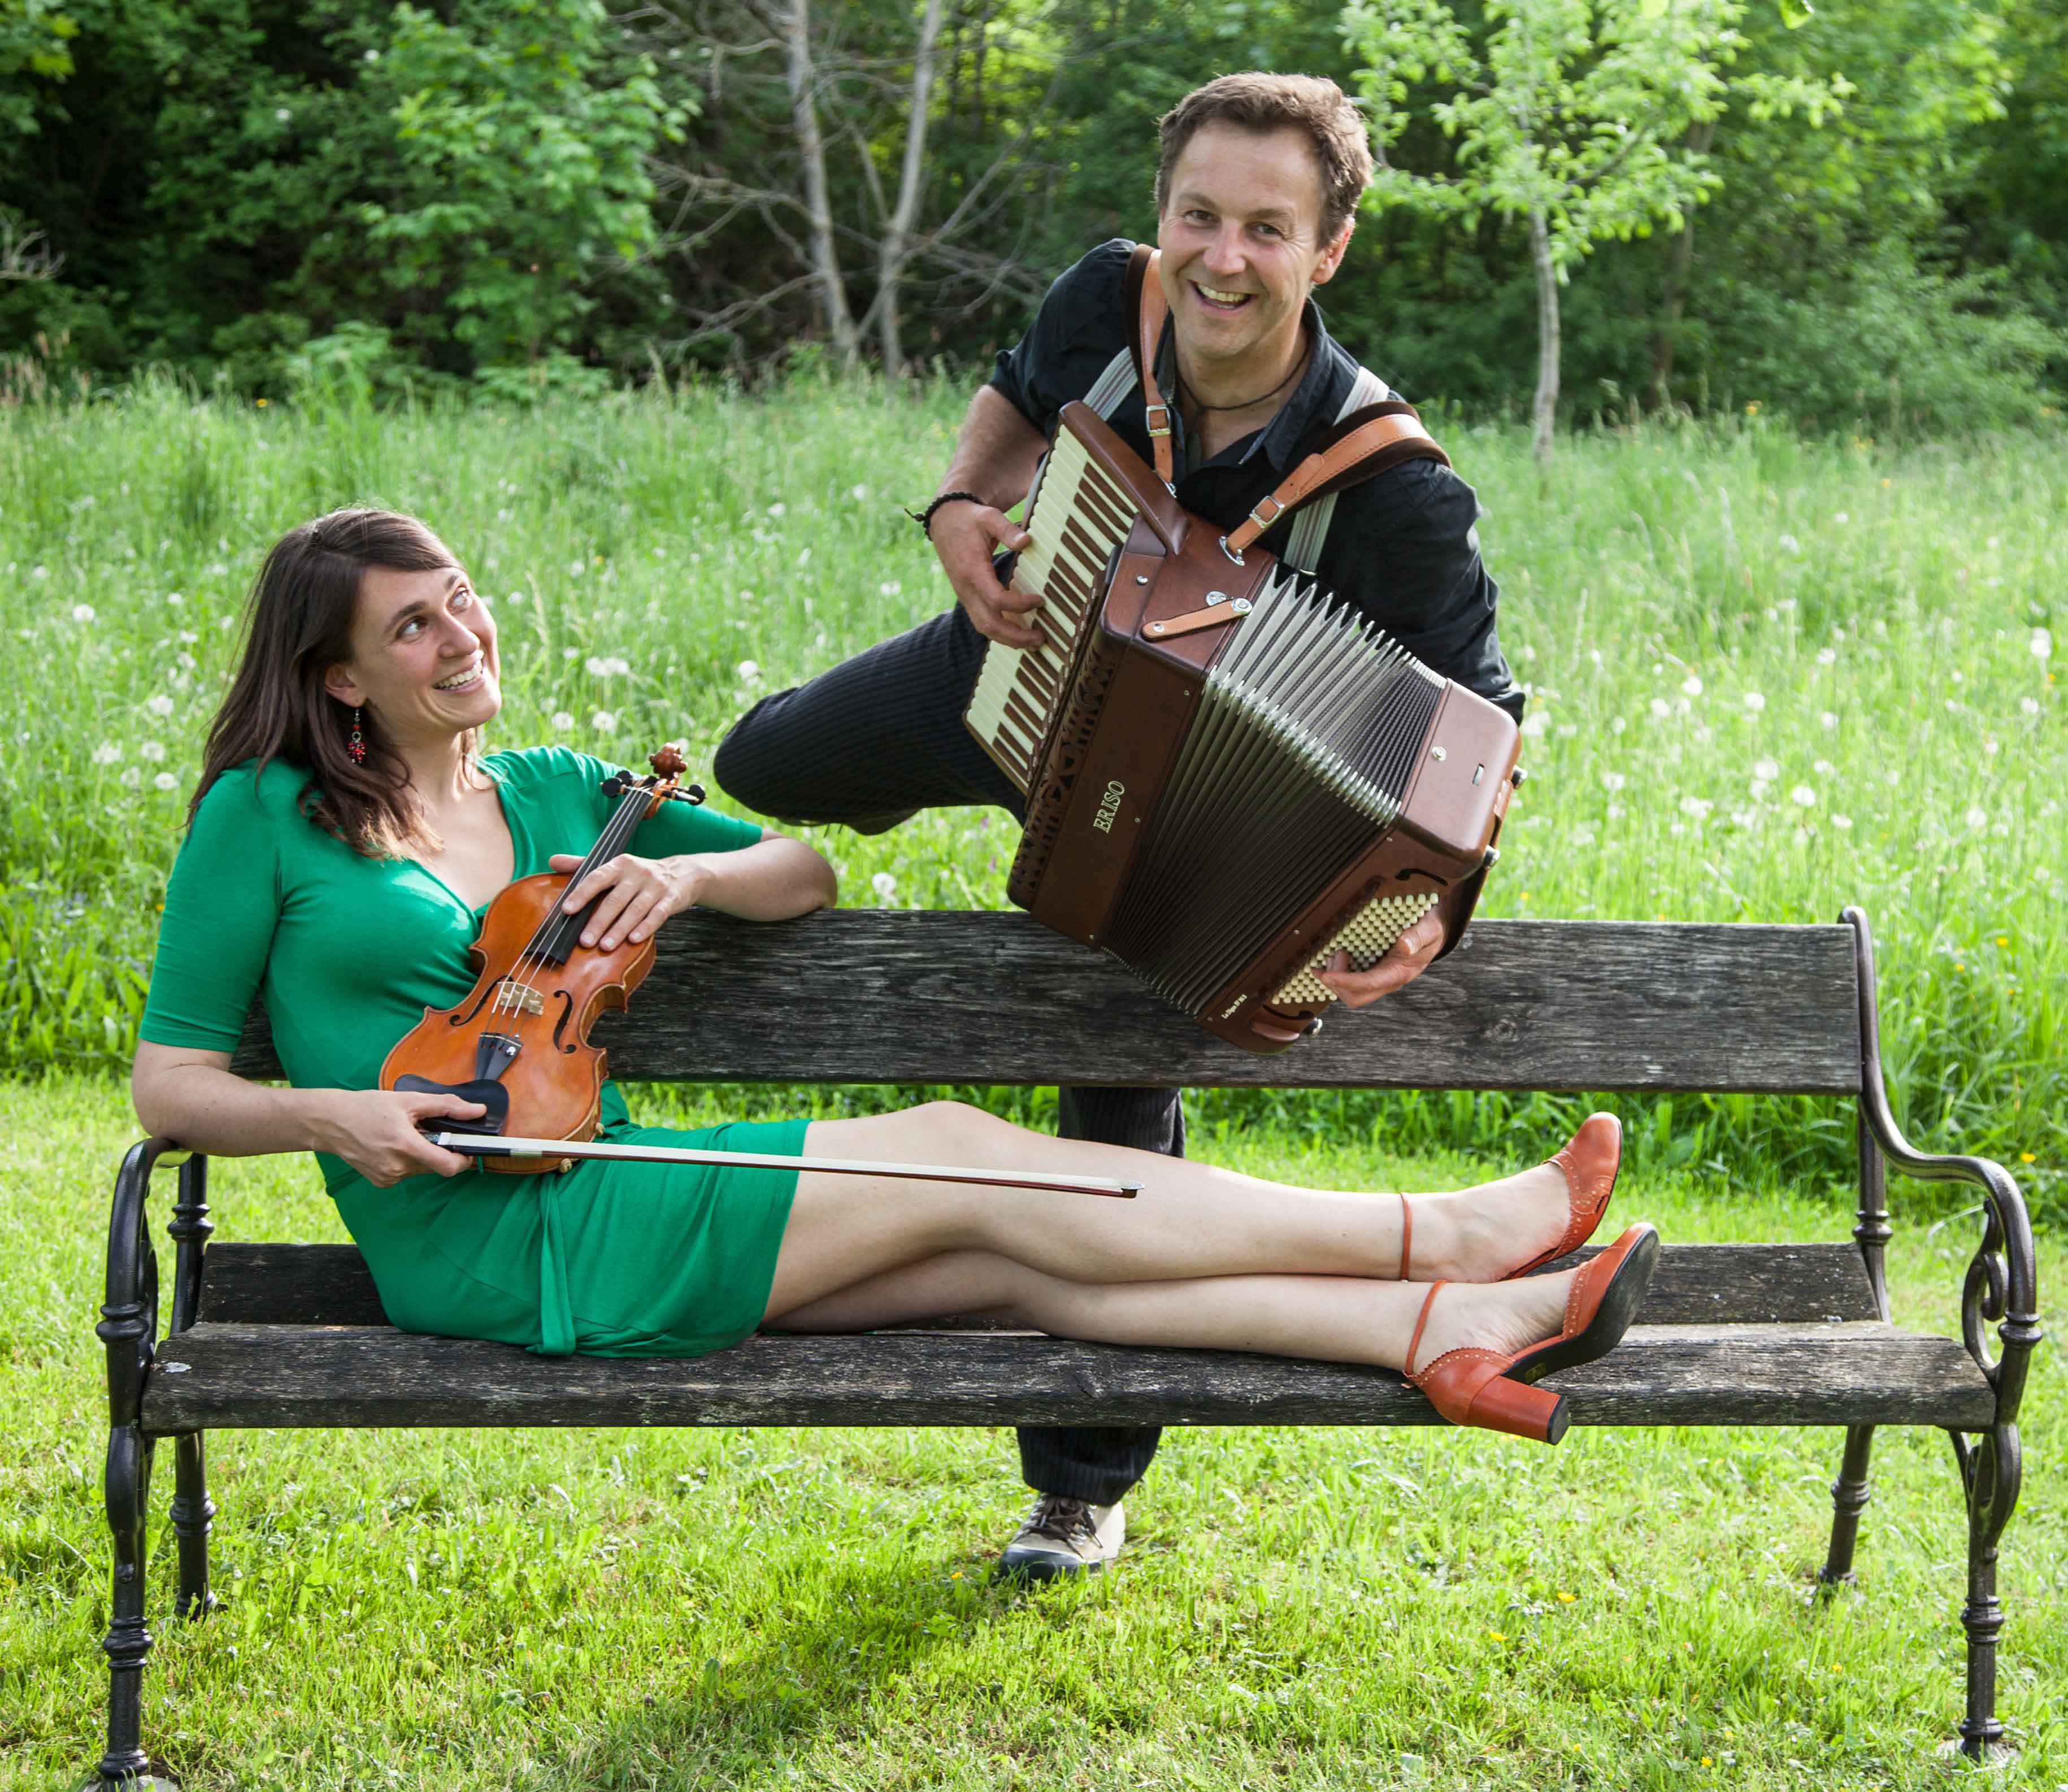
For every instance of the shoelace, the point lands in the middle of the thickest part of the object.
(1059, 1516)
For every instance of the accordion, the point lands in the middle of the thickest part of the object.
(1229, 775)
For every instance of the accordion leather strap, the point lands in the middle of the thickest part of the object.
(1151, 308)
(1364, 451)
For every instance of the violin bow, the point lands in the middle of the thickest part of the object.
(475, 1145)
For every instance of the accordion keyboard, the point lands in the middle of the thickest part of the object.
(1079, 515)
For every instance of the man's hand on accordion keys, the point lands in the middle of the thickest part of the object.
(966, 535)
(1408, 956)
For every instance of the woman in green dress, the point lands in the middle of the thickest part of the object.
(345, 837)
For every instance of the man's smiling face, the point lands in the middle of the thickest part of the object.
(1241, 236)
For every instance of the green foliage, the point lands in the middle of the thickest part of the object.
(253, 177)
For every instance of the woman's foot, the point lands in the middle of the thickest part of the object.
(1477, 1351)
(1503, 1229)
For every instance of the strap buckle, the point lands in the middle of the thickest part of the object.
(1263, 521)
(1155, 428)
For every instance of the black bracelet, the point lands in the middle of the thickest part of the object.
(925, 519)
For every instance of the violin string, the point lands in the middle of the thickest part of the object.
(616, 834)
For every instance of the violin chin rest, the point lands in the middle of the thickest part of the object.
(493, 1096)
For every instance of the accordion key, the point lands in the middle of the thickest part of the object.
(1229, 775)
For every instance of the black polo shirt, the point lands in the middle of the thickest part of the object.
(1401, 548)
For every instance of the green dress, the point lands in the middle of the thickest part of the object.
(611, 1259)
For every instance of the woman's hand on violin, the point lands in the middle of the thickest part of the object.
(632, 895)
(376, 1130)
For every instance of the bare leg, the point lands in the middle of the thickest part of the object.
(1333, 1319)
(1190, 1220)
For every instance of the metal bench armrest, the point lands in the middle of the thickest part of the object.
(2002, 1280)
(129, 1313)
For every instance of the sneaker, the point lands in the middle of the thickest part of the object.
(1061, 1536)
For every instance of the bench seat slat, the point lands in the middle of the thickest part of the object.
(990, 998)
(1858, 1372)
(263, 1284)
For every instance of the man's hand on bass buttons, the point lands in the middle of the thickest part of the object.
(1408, 956)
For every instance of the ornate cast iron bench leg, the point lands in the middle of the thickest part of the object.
(129, 1328)
(1849, 1495)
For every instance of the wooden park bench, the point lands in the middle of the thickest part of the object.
(264, 1335)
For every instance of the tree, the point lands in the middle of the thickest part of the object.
(1579, 117)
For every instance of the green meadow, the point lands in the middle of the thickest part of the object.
(1768, 678)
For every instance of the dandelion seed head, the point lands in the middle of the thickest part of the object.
(2028, 705)
(1754, 702)
(1803, 797)
(884, 885)
(1976, 817)
(1766, 769)
(151, 749)
(749, 671)
(1691, 685)
(1827, 656)
(604, 722)
(160, 704)
(2041, 642)
(80, 612)
(1843, 822)
(108, 753)
(561, 720)
(164, 781)
(1612, 780)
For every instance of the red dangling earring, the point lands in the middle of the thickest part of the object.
(356, 742)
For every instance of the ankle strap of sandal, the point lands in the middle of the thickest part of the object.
(1407, 1234)
(1422, 1318)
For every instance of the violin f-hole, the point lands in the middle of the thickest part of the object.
(561, 1026)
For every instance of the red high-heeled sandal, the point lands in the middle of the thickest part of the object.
(1589, 1161)
(1473, 1386)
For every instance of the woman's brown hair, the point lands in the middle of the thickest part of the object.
(298, 625)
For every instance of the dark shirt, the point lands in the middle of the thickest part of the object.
(1401, 548)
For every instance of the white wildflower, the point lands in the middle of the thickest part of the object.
(282, 114)
(2042, 641)
(1843, 822)
(1698, 806)
(1612, 780)
(151, 749)
(1617, 725)
(164, 781)
(1803, 797)
(133, 777)
(604, 722)
(174, 598)
(561, 720)
(2029, 705)
(1827, 656)
(1535, 725)
(884, 885)
(1976, 817)
(776, 510)
(1659, 711)
(749, 671)
(1691, 685)
(1825, 769)
(1841, 518)
(1594, 654)
(108, 753)
(860, 494)
(892, 588)
(608, 666)
(83, 612)
(159, 705)
(1760, 787)
(1789, 543)
(1767, 769)
(1754, 701)
(1828, 718)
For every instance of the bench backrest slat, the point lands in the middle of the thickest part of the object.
(260, 1284)
(875, 996)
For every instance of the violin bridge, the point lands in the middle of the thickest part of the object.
(518, 998)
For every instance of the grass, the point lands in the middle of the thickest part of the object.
(1768, 677)
(734, 1609)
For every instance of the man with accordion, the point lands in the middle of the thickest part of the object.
(1257, 189)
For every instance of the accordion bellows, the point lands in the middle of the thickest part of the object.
(1228, 773)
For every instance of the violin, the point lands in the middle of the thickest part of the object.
(518, 1042)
